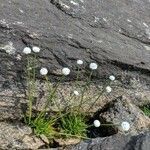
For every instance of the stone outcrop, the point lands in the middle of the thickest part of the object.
(115, 34)
(116, 142)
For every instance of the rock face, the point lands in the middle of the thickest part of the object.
(122, 109)
(115, 34)
(117, 142)
(17, 136)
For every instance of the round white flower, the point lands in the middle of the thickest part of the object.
(108, 89)
(97, 123)
(79, 62)
(93, 66)
(112, 78)
(65, 71)
(76, 93)
(43, 71)
(36, 49)
(27, 50)
(125, 126)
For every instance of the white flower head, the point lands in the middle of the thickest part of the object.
(125, 126)
(65, 71)
(76, 93)
(93, 66)
(108, 89)
(79, 62)
(112, 78)
(27, 50)
(36, 49)
(97, 123)
(43, 71)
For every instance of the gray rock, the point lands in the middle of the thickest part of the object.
(122, 109)
(114, 34)
(116, 142)
(18, 136)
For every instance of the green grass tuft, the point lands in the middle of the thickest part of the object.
(74, 124)
(43, 126)
(146, 110)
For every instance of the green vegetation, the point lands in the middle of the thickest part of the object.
(70, 123)
(146, 110)
(43, 126)
(74, 124)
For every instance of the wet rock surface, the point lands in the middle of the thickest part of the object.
(115, 34)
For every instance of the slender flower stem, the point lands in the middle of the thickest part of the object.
(77, 79)
(48, 83)
(50, 98)
(99, 95)
(29, 76)
(109, 124)
(77, 136)
(84, 89)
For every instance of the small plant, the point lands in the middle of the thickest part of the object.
(146, 110)
(31, 87)
(70, 121)
(44, 126)
(74, 125)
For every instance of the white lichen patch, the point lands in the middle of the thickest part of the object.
(21, 11)
(99, 41)
(18, 23)
(145, 24)
(105, 19)
(82, 1)
(4, 23)
(129, 20)
(70, 36)
(96, 19)
(148, 33)
(9, 48)
(18, 57)
(64, 6)
(74, 3)
(147, 47)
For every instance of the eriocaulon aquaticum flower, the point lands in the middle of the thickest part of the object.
(97, 123)
(79, 62)
(125, 126)
(43, 71)
(35, 49)
(112, 78)
(65, 71)
(27, 50)
(93, 66)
